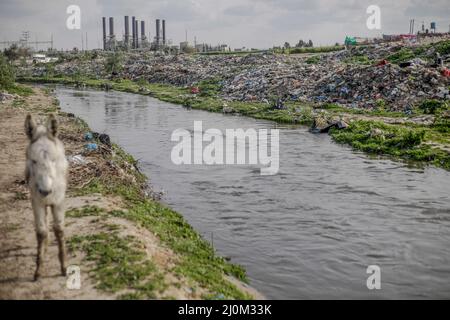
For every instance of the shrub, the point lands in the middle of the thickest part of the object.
(113, 62)
(7, 75)
(432, 106)
(400, 56)
(313, 60)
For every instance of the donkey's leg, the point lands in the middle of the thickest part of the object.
(40, 220)
(58, 227)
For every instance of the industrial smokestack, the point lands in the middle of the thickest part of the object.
(164, 32)
(142, 30)
(133, 22)
(157, 32)
(104, 32)
(136, 28)
(111, 26)
(127, 32)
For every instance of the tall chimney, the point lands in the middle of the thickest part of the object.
(133, 22)
(164, 32)
(142, 30)
(127, 32)
(104, 32)
(136, 29)
(111, 26)
(157, 32)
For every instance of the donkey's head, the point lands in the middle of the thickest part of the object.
(42, 154)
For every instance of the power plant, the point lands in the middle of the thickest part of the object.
(138, 40)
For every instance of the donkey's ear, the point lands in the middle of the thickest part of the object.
(30, 125)
(52, 125)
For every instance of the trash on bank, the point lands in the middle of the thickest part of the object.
(77, 159)
(91, 146)
(88, 136)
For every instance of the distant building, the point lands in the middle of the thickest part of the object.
(42, 58)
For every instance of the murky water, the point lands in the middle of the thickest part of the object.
(310, 231)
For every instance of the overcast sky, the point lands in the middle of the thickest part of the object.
(238, 23)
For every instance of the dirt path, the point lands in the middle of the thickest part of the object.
(17, 236)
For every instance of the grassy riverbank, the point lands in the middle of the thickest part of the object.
(414, 142)
(127, 244)
(197, 261)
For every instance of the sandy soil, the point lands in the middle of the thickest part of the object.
(17, 237)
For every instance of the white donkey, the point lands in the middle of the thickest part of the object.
(46, 175)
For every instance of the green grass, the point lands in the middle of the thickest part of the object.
(443, 47)
(359, 59)
(398, 141)
(442, 125)
(313, 60)
(316, 49)
(405, 54)
(18, 102)
(198, 260)
(120, 263)
(402, 55)
(432, 106)
(85, 212)
(381, 111)
(21, 90)
(209, 87)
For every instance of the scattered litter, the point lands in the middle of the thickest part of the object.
(102, 137)
(88, 136)
(322, 124)
(4, 96)
(195, 90)
(91, 146)
(77, 159)
(446, 72)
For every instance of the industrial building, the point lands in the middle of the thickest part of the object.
(138, 39)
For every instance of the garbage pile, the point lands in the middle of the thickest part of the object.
(186, 70)
(396, 75)
(333, 79)
(285, 77)
(399, 88)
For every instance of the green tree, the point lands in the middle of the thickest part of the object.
(300, 44)
(12, 53)
(7, 75)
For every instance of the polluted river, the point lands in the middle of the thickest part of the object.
(309, 232)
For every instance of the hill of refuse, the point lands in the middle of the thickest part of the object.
(396, 75)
